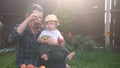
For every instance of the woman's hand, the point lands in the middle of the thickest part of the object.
(32, 17)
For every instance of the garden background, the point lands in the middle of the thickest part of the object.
(81, 23)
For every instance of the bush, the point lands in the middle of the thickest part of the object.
(80, 42)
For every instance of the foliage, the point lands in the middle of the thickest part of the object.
(66, 18)
(80, 42)
(6, 50)
(65, 24)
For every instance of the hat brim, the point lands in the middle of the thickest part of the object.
(52, 20)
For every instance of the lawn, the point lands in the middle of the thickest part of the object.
(93, 59)
(7, 60)
(96, 59)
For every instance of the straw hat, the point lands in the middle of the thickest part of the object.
(51, 17)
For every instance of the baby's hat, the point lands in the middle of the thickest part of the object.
(51, 17)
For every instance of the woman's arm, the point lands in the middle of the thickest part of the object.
(24, 24)
(14, 36)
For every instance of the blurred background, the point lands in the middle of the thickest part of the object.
(77, 16)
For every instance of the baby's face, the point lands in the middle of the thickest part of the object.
(50, 25)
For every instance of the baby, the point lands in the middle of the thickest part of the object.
(50, 31)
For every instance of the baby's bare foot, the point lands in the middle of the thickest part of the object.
(67, 66)
(44, 56)
(71, 55)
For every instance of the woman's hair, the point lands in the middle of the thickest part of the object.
(32, 8)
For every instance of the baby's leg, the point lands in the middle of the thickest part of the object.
(44, 52)
(70, 55)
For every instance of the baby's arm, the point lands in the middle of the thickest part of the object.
(51, 41)
(61, 40)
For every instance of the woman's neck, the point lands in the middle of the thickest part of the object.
(32, 29)
(35, 30)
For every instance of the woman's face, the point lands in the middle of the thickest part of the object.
(36, 23)
(50, 25)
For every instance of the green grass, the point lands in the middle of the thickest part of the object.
(95, 59)
(7, 60)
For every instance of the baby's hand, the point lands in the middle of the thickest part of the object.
(60, 40)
